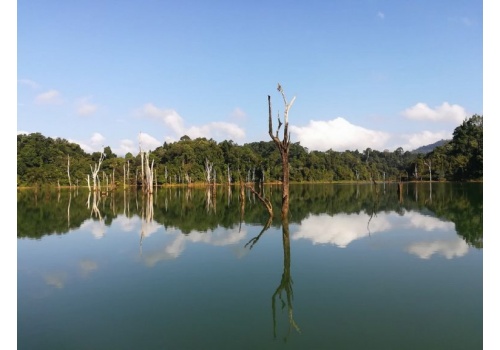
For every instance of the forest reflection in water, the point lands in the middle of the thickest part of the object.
(173, 223)
(46, 212)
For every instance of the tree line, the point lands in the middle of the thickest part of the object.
(44, 160)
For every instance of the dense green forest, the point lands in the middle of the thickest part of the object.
(43, 160)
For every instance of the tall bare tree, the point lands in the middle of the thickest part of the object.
(69, 176)
(95, 171)
(283, 147)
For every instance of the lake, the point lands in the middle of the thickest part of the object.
(357, 266)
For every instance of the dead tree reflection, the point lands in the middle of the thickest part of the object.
(254, 240)
(285, 286)
(147, 216)
(94, 211)
(69, 205)
(210, 203)
(374, 208)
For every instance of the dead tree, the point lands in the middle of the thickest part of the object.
(69, 176)
(148, 176)
(430, 170)
(283, 147)
(208, 171)
(265, 201)
(95, 171)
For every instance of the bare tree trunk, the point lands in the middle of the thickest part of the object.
(149, 174)
(128, 172)
(283, 147)
(430, 170)
(69, 176)
(267, 203)
(208, 170)
(142, 168)
(95, 170)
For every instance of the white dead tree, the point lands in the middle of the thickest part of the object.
(430, 170)
(208, 170)
(147, 173)
(148, 185)
(95, 171)
(128, 172)
(69, 176)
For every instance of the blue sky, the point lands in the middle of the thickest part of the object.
(378, 74)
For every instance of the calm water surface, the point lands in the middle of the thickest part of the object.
(356, 267)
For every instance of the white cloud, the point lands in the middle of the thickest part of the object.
(179, 241)
(339, 135)
(216, 130)
(94, 144)
(175, 123)
(84, 107)
(97, 139)
(127, 224)
(169, 116)
(451, 248)
(380, 15)
(49, 97)
(413, 141)
(428, 223)
(32, 84)
(127, 146)
(341, 229)
(443, 113)
(148, 142)
(96, 228)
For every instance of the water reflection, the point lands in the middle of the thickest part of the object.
(285, 287)
(337, 215)
(405, 262)
(451, 248)
(339, 230)
(56, 279)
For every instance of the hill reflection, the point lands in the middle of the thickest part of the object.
(325, 214)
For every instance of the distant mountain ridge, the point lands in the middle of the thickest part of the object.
(429, 148)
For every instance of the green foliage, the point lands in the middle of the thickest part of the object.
(461, 158)
(42, 160)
